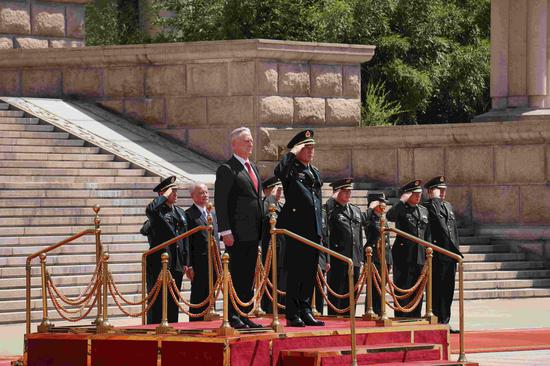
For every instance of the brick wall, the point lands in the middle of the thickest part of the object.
(41, 24)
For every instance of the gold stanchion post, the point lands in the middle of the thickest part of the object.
(211, 315)
(98, 254)
(259, 311)
(352, 315)
(429, 313)
(369, 312)
(104, 326)
(383, 320)
(226, 329)
(462, 356)
(46, 325)
(275, 324)
(314, 310)
(164, 327)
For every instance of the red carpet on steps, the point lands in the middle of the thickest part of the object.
(503, 340)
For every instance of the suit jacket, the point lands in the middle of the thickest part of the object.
(165, 224)
(345, 233)
(372, 232)
(443, 227)
(198, 242)
(302, 212)
(239, 206)
(412, 220)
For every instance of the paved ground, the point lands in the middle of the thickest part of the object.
(480, 315)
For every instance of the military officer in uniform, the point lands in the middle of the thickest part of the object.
(301, 214)
(376, 209)
(272, 196)
(166, 221)
(444, 231)
(345, 236)
(409, 257)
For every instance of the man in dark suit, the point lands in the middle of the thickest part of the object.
(444, 231)
(409, 257)
(376, 209)
(166, 221)
(301, 214)
(239, 210)
(272, 196)
(197, 215)
(345, 236)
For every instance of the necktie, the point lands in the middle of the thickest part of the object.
(252, 175)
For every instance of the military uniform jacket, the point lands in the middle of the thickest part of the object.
(198, 242)
(165, 224)
(266, 228)
(302, 212)
(239, 206)
(412, 220)
(443, 226)
(345, 232)
(372, 232)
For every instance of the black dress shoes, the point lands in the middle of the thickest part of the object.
(294, 321)
(237, 323)
(250, 323)
(308, 319)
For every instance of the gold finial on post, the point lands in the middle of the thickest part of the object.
(226, 329)
(211, 315)
(164, 327)
(104, 326)
(46, 325)
(429, 313)
(275, 324)
(369, 312)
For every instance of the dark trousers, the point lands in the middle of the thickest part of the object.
(319, 299)
(154, 316)
(443, 286)
(376, 305)
(338, 281)
(242, 266)
(200, 286)
(405, 276)
(302, 271)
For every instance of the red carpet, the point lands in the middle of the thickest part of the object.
(503, 340)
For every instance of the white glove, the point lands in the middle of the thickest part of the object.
(297, 148)
(374, 204)
(405, 197)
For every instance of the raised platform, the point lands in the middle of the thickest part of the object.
(197, 344)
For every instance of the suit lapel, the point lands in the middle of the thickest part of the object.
(241, 170)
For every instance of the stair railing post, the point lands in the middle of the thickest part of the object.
(259, 311)
(462, 356)
(46, 325)
(383, 320)
(275, 324)
(369, 312)
(429, 290)
(104, 326)
(211, 315)
(226, 329)
(164, 327)
(98, 255)
(352, 314)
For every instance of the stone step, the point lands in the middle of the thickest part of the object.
(64, 164)
(68, 270)
(49, 149)
(482, 248)
(56, 157)
(4, 113)
(70, 212)
(84, 202)
(72, 172)
(504, 293)
(506, 284)
(9, 296)
(78, 179)
(40, 142)
(137, 184)
(73, 259)
(72, 220)
(68, 230)
(77, 249)
(4, 106)
(507, 275)
(19, 120)
(77, 281)
(46, 240)
(22, 127)
(494, 257)
(77, 193)
(35, 135)
(466, 231)
(474, 240)
(513, 265)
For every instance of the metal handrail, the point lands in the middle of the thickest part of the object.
(351, 286)
(28, 270)
(456, 257)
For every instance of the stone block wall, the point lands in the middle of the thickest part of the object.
(41, 23)
(498, 173)
(198, 92)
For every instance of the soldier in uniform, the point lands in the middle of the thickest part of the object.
(444, 233)
(376, 209)
(301, 214)
(272, 196)
(345, 236)
(409, 257)
(197, 215)
(165, 221)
